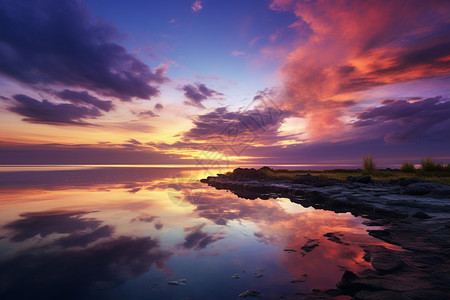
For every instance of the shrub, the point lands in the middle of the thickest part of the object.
(368, 163)
(408, 167)
(429, 165)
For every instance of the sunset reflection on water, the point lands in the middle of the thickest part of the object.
(114, 233)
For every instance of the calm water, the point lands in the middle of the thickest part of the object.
(124, 233)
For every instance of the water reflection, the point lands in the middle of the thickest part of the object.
(125, 233)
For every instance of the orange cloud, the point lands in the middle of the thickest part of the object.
(357, 46)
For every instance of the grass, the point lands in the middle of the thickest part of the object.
(379, 175)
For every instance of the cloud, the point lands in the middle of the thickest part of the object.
(158, 106)
(237, 53)
(197, 6)
(106, 264)
(45, 223)
(84, 97)
(58, 42)
(46, 112)
(82, 239)
(197, 93)
(401, 121)
(197, 239)
(339, 53)
(259, 124)
(147, 114)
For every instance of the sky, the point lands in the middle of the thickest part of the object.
(236, 82)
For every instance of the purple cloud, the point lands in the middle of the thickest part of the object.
(197, 93)
(84, 97)
(158, 106)
(46, 112)
(147, 114)
(399, 121)
(57, 42)
(198, 239)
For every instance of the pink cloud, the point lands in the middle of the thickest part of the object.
(197, 6)
(345, 53)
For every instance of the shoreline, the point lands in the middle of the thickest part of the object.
(414, 212)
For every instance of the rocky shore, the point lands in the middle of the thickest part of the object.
(414, 213)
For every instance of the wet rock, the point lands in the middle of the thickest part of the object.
(421, 215)
(419, 188)
(184, 280)
(261, 268)
(380, 295)
(310, 245)
(334, 237)
(251, 293)
(235, 276)
(258, 275)
(386, 263)
(383, 260)
(359, 179)
(347, 280)
(290, 250)
(427, 294)
(173, 282)
(300, 279)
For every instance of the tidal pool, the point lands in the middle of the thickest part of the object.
(126, 233)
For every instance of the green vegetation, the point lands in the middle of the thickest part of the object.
(407, 167)
(440, 174)
(368, 163)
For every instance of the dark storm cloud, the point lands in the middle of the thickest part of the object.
(84, 97)
(58, 42)
(45, 223)
(197, 239)
(46, 112)
(197, 93)
(80, 273)
(403, 121)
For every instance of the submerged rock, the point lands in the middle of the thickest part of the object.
(251, 293)
(235, 276)
(259, 275)
(173, 282)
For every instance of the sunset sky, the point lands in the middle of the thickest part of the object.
(236, 81)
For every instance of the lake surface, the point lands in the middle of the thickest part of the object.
(125, 233)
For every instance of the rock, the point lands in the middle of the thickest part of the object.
(184, 280)
(173, 282)
(307, 179)
(259, 275)
(380, 295)
(385, 261)
(300, 279)
(427, 294)
(310, 245)
(260, 268)
(347, 280)
(333, 236)
(290, 250)
(420, 188)
(251, 293)
(235, 276)
(406, 181)
(359, 179)
(421, 215)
